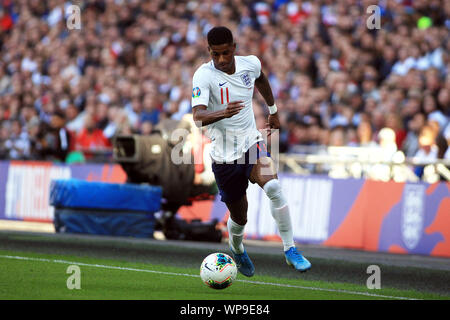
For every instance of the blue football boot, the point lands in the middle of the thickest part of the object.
(244, 264)
(295, 259)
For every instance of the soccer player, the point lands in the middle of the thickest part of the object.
(222, 100)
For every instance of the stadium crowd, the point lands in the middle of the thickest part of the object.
(337, 81)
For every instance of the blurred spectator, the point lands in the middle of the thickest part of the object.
(17, 142)
(394, 122)
(387, 143)
(364, 134)
(110, 125)
(146, 128)
(74, 119)
(6, 21)
(433, 113)
(4, 134)
(351, 136)
(150, 111)
(35, 130)
(91, 139)
(337, 137)
(411, 143)
(428, 150)
(299, 133)
(314, 134)
(61, 138)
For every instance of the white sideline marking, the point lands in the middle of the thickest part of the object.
(197, 276)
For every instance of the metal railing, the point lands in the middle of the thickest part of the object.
(359, 162)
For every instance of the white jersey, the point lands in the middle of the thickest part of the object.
(231, 137)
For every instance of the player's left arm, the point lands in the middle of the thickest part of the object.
(263, 85)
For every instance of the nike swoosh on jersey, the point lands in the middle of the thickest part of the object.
(221, 84)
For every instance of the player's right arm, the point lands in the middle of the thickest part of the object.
(200, 100)
(204, 117)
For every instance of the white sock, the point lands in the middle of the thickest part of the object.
(235, 236)
(283, 219)
(280, 212)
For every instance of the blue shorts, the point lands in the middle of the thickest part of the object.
(232, 178)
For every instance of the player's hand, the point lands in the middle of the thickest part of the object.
(273, 122)
(233, 108)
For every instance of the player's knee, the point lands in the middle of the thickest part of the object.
(273, 189)
(275, 194)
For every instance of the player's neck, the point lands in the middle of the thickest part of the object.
(233, 68)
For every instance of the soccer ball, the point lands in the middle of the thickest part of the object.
(218, 270)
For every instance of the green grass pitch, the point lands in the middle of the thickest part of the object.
(30, 275)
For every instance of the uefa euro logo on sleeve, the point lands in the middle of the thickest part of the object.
(246, 79)
(196, 92)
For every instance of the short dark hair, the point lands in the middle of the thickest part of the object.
(219, 35)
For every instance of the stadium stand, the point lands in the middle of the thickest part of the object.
(337, 83)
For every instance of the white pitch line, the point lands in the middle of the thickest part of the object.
(328, 290)
(197, 276)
